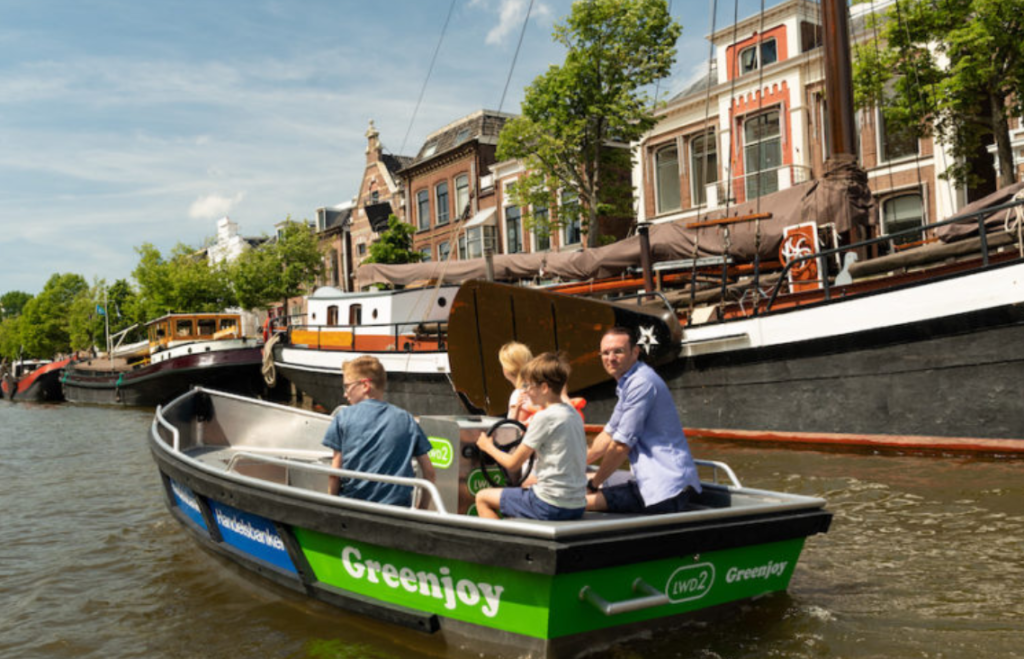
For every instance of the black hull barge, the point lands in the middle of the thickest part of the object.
(248, 479)
(34, 382)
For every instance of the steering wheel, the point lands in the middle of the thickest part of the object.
(511, 480)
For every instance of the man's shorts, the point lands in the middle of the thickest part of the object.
(626, 498)
(517, 502)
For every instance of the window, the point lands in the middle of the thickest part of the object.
(441, 199)
(572, 232)
(762, 149)
(426, 255)
(462, 136)
(513, 230)
(207, 326)
(895, 141)
(361, 248)
(332, 315)
(374, 197)
(901, 213)
(666, 164)
(443, 251)
(461, 194)
(476, 241)
(183, 327)
(749, 60)
(228, 324)
(703, 166)
(541, 230)
(355, 314)
(423, 210)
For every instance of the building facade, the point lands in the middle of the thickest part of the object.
(757, 123)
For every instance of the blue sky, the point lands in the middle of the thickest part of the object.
(125, 121)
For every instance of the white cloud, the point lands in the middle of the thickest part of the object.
(510, 17)
(213, 206)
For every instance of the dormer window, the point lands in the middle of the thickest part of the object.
(462, 136)
(429, 150)
(749, 60)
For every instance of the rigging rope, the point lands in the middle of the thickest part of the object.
(519, 45)
(430, 69)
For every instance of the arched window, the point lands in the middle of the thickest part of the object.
(666, 166)
(703, 166)
(901, 213)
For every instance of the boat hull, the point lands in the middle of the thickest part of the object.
(417, 382)
(235, 370)
(40, 386)
(918, 385)
(538, 589)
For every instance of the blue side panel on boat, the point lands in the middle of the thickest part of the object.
(252, 534)
(186, 501)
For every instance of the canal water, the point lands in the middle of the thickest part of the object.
(925, 559)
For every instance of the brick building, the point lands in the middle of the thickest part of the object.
(756, 124)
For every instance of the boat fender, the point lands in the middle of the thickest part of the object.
(204, 407)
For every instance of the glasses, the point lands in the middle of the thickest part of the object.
(526, 385)
(348, 386)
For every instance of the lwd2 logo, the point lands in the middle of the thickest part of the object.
(690, 583)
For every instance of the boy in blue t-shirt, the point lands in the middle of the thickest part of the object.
(375, 437)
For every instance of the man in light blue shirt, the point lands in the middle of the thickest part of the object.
(645, 428)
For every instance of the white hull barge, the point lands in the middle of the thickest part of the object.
(248, 479)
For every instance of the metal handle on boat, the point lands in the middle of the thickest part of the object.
(651, 598)
(716, 465)
(346, 473)
(159, 418)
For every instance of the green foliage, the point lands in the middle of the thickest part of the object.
(571, 113)
(956, 65)
(394, 244)
(12, 302)
(10, 338)
(44, 321)
(184, 283)
(279, 269)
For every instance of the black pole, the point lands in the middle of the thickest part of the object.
(645, 256)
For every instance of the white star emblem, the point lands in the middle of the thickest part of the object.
(647, 339)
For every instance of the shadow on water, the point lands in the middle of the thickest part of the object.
(923, 560)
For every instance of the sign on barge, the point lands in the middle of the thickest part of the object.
(248, 479)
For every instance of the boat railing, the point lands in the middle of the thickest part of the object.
(417, 483)
(717, 466)
(411, 336)
(822, 258)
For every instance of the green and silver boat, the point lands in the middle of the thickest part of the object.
(248, 479)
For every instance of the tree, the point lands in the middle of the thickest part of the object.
(572, 114)
(45, 318)
(394, 244)
(12, 302)
(956, 65)
(278, 269)
(184, 283)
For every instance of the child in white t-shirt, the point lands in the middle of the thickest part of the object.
(557, 438)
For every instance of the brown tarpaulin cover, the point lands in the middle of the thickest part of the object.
(969, 227)
(841, 198)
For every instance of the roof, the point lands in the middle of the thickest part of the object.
(482, 126)
(394, 163)
(336, 217)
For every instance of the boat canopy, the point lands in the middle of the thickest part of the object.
(842, 199)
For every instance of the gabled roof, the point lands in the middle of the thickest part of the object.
(395, 164)
(482, 126)
(337, 216)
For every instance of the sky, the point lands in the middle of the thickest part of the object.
(124, 122)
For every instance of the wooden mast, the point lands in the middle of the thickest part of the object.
(838, 79)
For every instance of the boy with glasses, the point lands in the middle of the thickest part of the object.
(376, 437)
